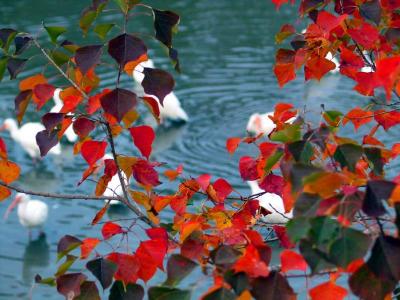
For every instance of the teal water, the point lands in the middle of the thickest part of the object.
(227, 53)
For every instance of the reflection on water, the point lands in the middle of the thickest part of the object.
(227, 52)
(36, 257)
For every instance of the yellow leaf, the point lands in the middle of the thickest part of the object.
(141, 198)
(188, 228)
(130, 117)
(245, 295)
(126, 163)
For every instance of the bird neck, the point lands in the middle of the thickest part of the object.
(12, 127)
(255, 188)
(56, 97)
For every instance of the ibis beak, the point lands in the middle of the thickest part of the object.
(13, 204)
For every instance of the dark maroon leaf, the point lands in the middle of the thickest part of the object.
(22, 43)
(66, 244)
(377, 191)
(6, 36)
(69, 285)
(83, 126)
(130, 292)
(87, 57)
(167, 293)
(384, 261)
(51, 120)
(178, 267)
(21, 103)
(89, 291)
(220, 294)
(46, 140)
(225, 256)
(371, 10)
(298, 42)
(125, 48)
(273, 287)
(158, 83)
(345, 6)
(118, 102)
(366, 285)
(272, 184)
(15, 66)
(164, 22)
(103, 270)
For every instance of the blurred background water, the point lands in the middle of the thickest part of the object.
(227, 51)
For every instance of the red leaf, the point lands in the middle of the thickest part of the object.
(3, 149)
(42, 93)
(291, 260)
(273, 184)
(144, 173)
(143, 138)
(110, 229)
(154, 251)
(317, 67)
(278, 3)
(223, 189)
(153, 106)
(69, 285)
(251, 263)
(366, 35)
(284, 73)
(387, 72)
(283, 237)
(92, 151)
(157, 233)
(110, 168)
(204, 180)
(232, 144)
(128, 267)
(328, 22)
(83, 126)
(328, 291)
(387, 119)
(87, 246)
(248, 168)
(94, 102)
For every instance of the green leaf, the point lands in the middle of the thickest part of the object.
(273, 159)
(348, 155)
(54, 32)
(374, 156)
(333, 117)
(60, 58)
(323, 231)
(298, 228)
(3, 66)
(132, 291)
(306, 205)
(302, 151)
(167, 293)
(352, 244)
(102, 29)
(51, 281)
(86, 20)
(315, 258)
(126, 5)
(178, 267)
(291, 133)
(103, 270)
(300, 172)
(64, 267)
(7, 35)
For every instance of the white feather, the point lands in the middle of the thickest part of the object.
(31, 212)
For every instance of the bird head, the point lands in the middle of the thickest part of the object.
(19, 197)
(9, 124)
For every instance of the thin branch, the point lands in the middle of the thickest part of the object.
(59, 196)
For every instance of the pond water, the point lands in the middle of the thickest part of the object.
(227, 52)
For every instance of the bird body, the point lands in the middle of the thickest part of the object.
(262, 123)
(171, 108)
(114, 187)
(31, 212)
(271, 202)
(69, 133)
(26, 137)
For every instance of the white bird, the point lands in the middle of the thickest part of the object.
(31, 212)
(114, 187)
(271, 202)
(171, 109)
(262, 124)
(69, 133)
(26, 137)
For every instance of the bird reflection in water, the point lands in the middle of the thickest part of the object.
(36, 258)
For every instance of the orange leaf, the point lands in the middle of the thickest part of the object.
(172, 174)
(4, 193)
(232, 144)
(328, 291)
(358, 117)
(102, 184)
(317, 67)
(291, 260)
(131, 65)
(284, 73)
(9, 171)
(87, 246)
(100, 214)
(251, 263)
(30, 82)
(188, 228)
